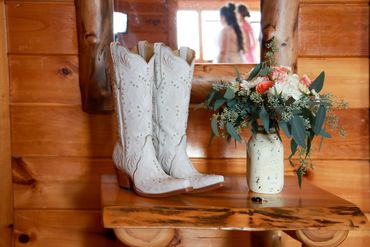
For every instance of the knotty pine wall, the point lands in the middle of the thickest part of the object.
(60, 152)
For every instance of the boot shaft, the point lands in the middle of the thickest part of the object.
(172, 87)
(133, 90)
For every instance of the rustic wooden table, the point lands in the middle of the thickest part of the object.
(311, 215)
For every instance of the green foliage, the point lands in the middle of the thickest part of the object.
(238, 105)
(229, 94)
(318, 83)
(218, 103)
(264, 116)
(231, 130)
(255, 72)
(320, 119)
(298, 131)
(214, 126)
(285, 126)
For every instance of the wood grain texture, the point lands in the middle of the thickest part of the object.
(355, 142)
(62, 182)
(58, 82)
(145, 237)
(94, 135)
(215, 5)
(279, 20)
(172, 6)
(332, 1)
(347, 78)
(47, 79)
(334, 30)
(73, 183)
(231, 208)
(61, 131)
(36, 28)
(131, 39)
(205, 74)
(322, 238)
(141, 6)
(95, 34)
(66, 228)
(62, 228)
(6, 193)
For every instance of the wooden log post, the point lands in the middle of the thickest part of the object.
(319, 238)
(145, 237)
(95, 33)
(6, 190)
(279, 20)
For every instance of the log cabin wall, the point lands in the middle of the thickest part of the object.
(59, 152)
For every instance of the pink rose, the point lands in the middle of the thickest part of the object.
(305, 80)
(263, 86)
(279, 73)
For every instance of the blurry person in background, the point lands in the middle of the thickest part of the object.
(231, 37)
(248, 35)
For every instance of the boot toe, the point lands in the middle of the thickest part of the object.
(164, 186)
(201, 181)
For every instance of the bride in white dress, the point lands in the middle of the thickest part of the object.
(231, 38)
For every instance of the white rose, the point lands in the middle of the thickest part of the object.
(286, 90)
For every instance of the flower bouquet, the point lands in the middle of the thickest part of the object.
(270, 99)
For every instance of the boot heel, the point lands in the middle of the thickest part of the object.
(124, 181)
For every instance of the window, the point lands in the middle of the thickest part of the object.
(199, 30)
(188, 30)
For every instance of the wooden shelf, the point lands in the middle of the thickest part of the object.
(231, 208)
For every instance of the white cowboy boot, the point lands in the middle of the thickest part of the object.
(173, 77)
(134, 154)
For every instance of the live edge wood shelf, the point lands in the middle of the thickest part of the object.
(311, 215)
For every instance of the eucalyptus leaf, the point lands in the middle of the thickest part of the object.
(232, 103)
(218, 103)
(228, 139)
(237, 72)
(300, 175)
(318, 83)
(212, 135)
(308, 148)
(264, 116)
(324, 134)
(265, 71)
(214, 126)
(298, 131)
(254, 127)
(210, 96)
(278, 133)
(285, 127)
(229, 94)
(307, 114)
(255, 72)
(320, 119)
(293, 149)
(231, 130)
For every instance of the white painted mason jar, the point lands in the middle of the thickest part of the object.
(265, 163)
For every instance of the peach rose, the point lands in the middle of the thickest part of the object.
(263, 86)
(305, 80)
(279, 73)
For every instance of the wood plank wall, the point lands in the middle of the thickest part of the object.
(65, 150)
(6, 191)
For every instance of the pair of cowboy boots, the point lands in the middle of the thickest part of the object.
(152, 87)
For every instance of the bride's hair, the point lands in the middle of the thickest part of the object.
(229, 13)
(243, 10)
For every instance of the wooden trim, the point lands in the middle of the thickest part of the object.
(172, 21)
(6, 195)
(279, 20)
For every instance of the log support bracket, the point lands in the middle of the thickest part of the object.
(152, 237)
